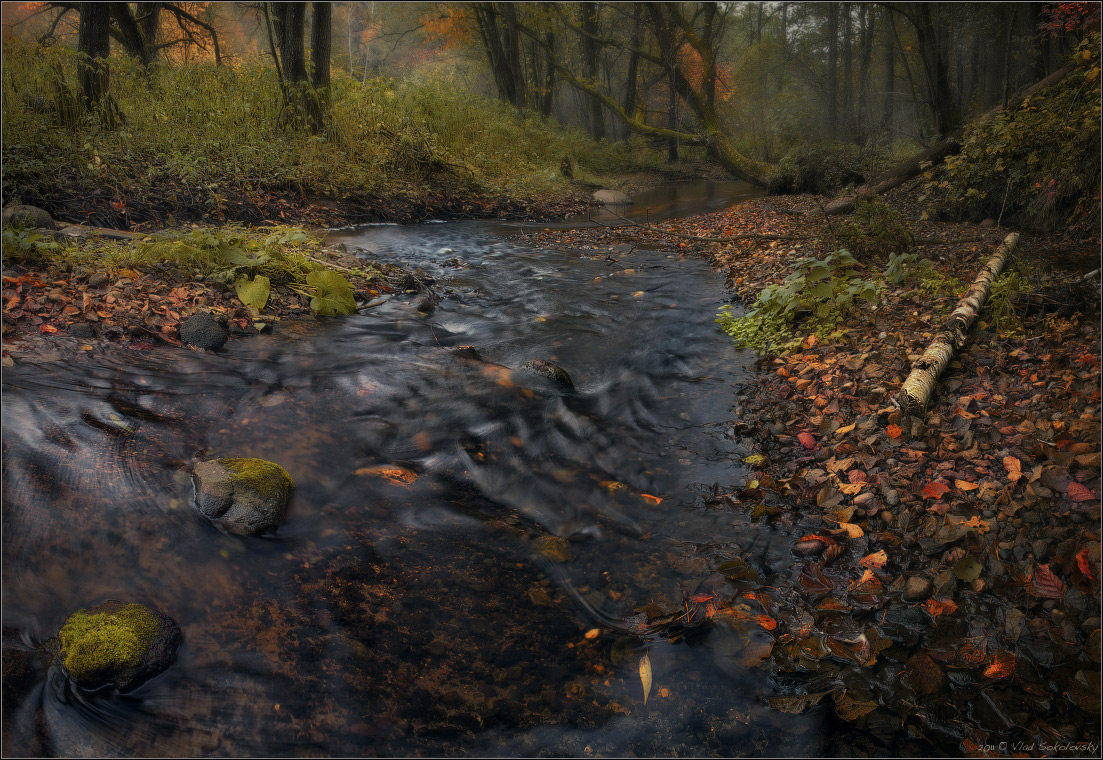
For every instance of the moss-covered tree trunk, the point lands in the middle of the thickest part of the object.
(94, 44)
(918, 387)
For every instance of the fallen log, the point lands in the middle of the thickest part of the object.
(933, 155)
(917, 389)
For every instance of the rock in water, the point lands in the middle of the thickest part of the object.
(550, 371)
(611, 197)
(466, 352)
(246, 496)
(201, 330)
(117, 644)
(28, 216)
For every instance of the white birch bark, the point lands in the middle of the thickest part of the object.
(917, 389)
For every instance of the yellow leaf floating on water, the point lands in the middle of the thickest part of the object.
(645, 676)
(400, 476)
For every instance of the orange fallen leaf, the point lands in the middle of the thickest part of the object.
(894, 431)
(766, 622)
(1014, 468)
(965, 485)
(47, 328)
(806, 440)
(400, 476)
(1046, 584)
(935, 490)
(1001, 665)
(876, 559)
(651, 499)
(1083, 561)
(936, 607)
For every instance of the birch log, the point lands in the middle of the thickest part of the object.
(919, 386)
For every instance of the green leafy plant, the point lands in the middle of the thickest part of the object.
(816, 297)
(875, 230)
(253, 291)
(332, 293)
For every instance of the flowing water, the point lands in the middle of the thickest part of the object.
(472, 552)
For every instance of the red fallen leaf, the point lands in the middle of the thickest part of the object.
(1083, 561)
(651, 499)
(1079, 492)
(701, 598)
(1014, 468)
(826, 539)
(47, 328)
(1001, 666)
(856, 476)
(806, 440)
(1046, 584)
(766, 622)
(894, 431)
(935, 490)
(832, 553)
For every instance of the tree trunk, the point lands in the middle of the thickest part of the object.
(498, 29)
(300, 98)
(548, 90)
(128, 33)
(632, 80)
(832, 91)
(889, 80)
(321, 44)
(590, 51)
(918, 388)
(911, 167)
(94, 42)
(148, 17)
(942, 99)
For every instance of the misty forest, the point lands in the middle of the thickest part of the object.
(586, 379)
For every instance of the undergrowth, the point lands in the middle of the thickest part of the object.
(209, 129)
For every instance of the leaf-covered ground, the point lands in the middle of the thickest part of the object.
(945, 582)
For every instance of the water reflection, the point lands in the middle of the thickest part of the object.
(445, 609)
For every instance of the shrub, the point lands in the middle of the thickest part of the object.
(875, 230)
(820, 168)
(1039, 160)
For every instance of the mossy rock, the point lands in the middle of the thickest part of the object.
(203, 331)
(117, 644)
(245, 496)
(549, 370)
(555, 548)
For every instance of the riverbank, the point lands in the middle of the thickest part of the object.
(946, 575)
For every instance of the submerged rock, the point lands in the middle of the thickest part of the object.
(117, 644)
(247, 496)
(466, 352)
(203, 331)
(28, 217)
(550, 371)
(554, 548)
(611, 197)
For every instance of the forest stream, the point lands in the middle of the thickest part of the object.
(477, 558)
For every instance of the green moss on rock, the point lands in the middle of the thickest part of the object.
(266, 478)
(117, 643)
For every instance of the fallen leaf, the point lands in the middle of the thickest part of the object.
(1083, 561)
(845, 429)
(965, 485)
(1014, 468)
(1075, 492)
(645, 676)
(935, 490)
(47, 328)
(849, 708)
(1046, 584)
(894, 431)
(1001, 665)
(968, 569)
(936, 607)
(806, 440)
(796, 705)
(400, 476)
(852, 531)
(650, 499)
(877, 559)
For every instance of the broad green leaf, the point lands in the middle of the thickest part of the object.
(332, 294)
(253, 292)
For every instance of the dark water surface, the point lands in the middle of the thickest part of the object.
(445, 615)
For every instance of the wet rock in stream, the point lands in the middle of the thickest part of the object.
(117, 644)
(203, 331)
(549, 370)
(247, 496)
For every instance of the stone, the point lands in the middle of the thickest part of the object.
(28, 217)
(97, 280)
(549, 370)
(82, 330)
(988, 223)
(426, 306)
(466, 352)
(244, 496)
(203, 331)
(117, 644)
(611, 197)
(916, 589)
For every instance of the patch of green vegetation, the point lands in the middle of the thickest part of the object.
(266, 478)
(815, 298)
(237, 256)
(875, 230)
(820, 168)
(192, 134)
(909, 270)
(99, 643)
(1039, 160)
